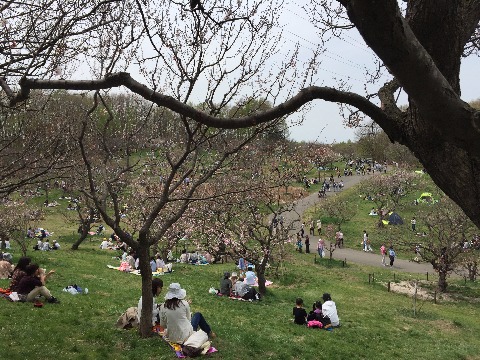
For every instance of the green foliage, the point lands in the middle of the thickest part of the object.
(375, 323)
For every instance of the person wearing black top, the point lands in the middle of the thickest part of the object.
(299, 313)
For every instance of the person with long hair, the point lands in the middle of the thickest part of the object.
(176, 318)
(157, 286)
(19, 272)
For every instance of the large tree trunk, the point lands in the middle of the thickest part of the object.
(143, 253)
(423, 52)
(442, 280)
(261, 280)
(83, 236)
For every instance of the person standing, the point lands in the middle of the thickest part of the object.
(391, 255)
(307, 244)
(320, 247)
(319, 226)
(365, 239)
(414, 223)
(299, 243)
(383, 252)
(312, 228)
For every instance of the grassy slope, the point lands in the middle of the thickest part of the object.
(375, 323)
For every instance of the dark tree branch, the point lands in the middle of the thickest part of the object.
(293, 104)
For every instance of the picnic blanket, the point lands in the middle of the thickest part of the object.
(177, 348)
(137, 272)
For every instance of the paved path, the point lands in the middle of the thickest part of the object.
(351, 255)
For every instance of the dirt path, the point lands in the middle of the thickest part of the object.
(351, 255)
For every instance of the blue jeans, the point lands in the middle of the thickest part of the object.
(199, 321)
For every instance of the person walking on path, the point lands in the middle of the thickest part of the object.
(319, 226)
(391, 255)
(383, 251)
(312, 228)
(307, 244)
(299, 243)
(365, 239)
(320, 247)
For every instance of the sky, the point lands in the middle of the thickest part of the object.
(347, 59)
(344, 59)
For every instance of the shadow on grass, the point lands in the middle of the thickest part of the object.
(330, 263)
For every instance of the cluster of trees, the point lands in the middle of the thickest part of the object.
(223, 51)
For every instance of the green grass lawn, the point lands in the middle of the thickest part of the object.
(375, 323)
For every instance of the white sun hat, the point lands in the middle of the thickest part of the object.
(175, 291)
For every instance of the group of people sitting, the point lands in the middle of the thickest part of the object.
(179, 325)
(28, 282)
(233, 286)
(196, 257)
(322, 315)
(46, 246)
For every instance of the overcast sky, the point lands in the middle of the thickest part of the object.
(347, 59)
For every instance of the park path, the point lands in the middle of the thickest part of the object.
(351, 255)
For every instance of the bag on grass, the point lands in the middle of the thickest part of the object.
(129, 319)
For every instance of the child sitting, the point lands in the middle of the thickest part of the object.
(316, 318)
(299, 313)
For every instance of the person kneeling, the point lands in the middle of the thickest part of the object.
(33, 284)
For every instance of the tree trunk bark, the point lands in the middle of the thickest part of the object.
(442, 280)
(423, 52)
(143, 253)
(83, 236)
(261, 281)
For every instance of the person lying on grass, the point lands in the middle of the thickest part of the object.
(33, 284)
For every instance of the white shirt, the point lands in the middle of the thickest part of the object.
(329, 308)
(155, 311)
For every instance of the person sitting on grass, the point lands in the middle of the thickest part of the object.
(330, 309)
(299, 313)
(19, 272)
(225, 284)
(250, 277)
(157, 286)
(176, 318)
(317, 315)
(244, 291)
(33, 284)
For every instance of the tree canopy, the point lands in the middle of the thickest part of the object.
(419, 42)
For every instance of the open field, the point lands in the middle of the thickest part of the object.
(376, 324)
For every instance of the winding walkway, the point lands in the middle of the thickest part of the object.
(351, 255)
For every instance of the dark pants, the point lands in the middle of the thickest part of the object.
(392, 258)
(250, 295)
(199, 321)
(307, 248)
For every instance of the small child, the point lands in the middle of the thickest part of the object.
(299, 313)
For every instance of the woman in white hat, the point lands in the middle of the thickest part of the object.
(176, 318)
